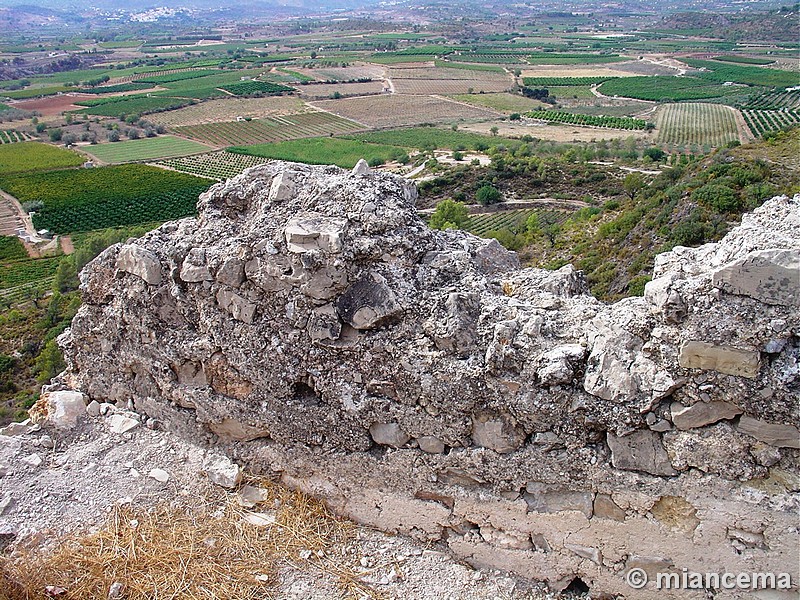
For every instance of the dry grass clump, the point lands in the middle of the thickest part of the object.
(205, 552)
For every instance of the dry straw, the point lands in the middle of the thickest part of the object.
(207, 552)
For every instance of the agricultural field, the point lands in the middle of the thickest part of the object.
(665, 88)
(86, 199)
(202, 88)
(214, 165)
(396, 110)
(423, 138)
(10, 136)
(571, 71)
(553, 58)
(566, 92)
(324, 151)
(327, 90)
(118, 106)
(430, 73)
(52, 105)
(557, 116)
(229, 109)
(116, 89)
(483, 224)
(763, 121)
(539, 82)
(773, 100)
(351, 73)
(269, 129)
(744, 60)
(696, 123)
(449, 86)
(502, 102)
(35, 156)
(166, 146)
(176, 75)
(761, 76)
(248, 88)
(11, 248)
(25, 271)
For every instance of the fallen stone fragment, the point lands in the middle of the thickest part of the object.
(65, 408)
(259, 519)
(774, 434)
(6, 502)
(248, 496)
(122, 424)
(368, 303)
(498, 433)
(93, 408)
(33, 460)
(593, 554)
(606, 508)
(141, 262)
(221, 471)
(430, 444)
(388, 434)
(159, 475)
(702, 413)
(20, 428)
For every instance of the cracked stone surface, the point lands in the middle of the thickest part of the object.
(421, 382)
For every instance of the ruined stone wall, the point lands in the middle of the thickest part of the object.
(310, 324)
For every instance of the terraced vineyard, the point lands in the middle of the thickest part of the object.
(696, 123)
(762, 121)
(513, 220)
(270, 129)
(773, 100)
(557, 116)
(214, 165)
(10, 136)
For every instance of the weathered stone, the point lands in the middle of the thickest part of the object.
(141, 262)
(701, 414)
(231, 272)
(665, 299)
(558, 365)
(194, 269)
(324, 324)
(65, 408)
(232, 429)
(248, 496)
(388, 434)
(731, 361)
(282, 187)
(430, 444)
(122, 424)
(640, 451)
(159, 475)
(221, 471)
(505, 539)
(546, 499)
(592, 554)
(93, 408)
(20, 428)
(238, 307)
(361, 168)
(368, 303)
(676, 513)
(606, 508)
(652, 565)
(771, 276)
(500, 433)
(774, 434)
(304, 234)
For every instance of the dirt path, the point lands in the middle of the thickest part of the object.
(745, 134)
(67, 247)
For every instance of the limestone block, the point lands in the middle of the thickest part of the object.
(731, 361)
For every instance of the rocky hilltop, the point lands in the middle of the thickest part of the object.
(311, 326)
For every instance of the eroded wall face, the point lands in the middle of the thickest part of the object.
(309, 323)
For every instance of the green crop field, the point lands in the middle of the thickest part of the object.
(468, 67)
(11, 136)
(744, 60)
(763, 121)
(86, 199)
(35, 92)
(696, 123)
(165, 146)
(178, 76)
(554, 58)
(776, 100)
(26, 271)
(269, 129)
(11, 248)
(564, 92)
(559, 81)
(557, 116)
(214, 165)
(430, 137)
(762, 76)
(323, 151)
(665, 88)
(503, 101)
(115, 89)
(245, 88)
(35, 156)
(202, 88)
(131, 105)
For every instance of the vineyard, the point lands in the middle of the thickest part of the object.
(744, 60)
(116, 89)
(429, 138)
(763, 121)
(11, 248)
(229, 109)
(270, 129)
(511, 220)
(25, 271)
(721, 72)
(245, 88)
(10, 136)
(324, 151)
(176, 76)
(774, 100)
(665, 88)
(86, 199)
(560, 81)
(696, 123)
(35, 156)
(504, 102)
(166, 146)
(425, 87)
(555, 116)
(214, 165)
